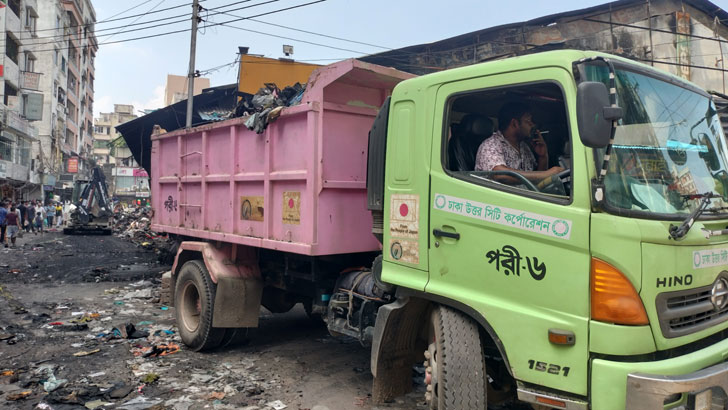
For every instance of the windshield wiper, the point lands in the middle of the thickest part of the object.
(677, 232)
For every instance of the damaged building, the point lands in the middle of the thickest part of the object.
(686, 38)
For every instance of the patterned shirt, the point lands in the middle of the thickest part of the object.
(496, 150)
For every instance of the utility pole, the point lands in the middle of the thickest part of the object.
(191, 74)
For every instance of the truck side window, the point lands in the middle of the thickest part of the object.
(511, 138)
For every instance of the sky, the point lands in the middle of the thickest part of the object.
(134, 72)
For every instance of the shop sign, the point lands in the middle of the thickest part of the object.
(34, 107)
(73, 165)
(139, 172)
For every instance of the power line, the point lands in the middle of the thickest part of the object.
(185, 18)
(137, 19)
(314, 33)
(112, 19)
(293, 39)
(186, 30)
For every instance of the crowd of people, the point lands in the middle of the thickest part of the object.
(29, 216)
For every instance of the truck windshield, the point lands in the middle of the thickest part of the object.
(668, 147)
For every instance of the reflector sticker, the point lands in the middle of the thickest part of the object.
(709, 258)
(292, 207)
(251, 208)
(404, 228)
(527, 221)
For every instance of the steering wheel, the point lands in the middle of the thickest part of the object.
(551, 182)
(530, 185)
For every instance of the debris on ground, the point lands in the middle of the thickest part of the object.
(18, 396)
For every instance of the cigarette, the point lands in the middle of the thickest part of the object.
(544, 132)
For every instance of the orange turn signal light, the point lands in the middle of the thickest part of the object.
(551, 402)
(613, 298)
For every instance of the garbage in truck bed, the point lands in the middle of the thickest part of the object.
(262, 108)
(267, 103)
(301, 188)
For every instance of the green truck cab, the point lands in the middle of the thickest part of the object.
(603, 287)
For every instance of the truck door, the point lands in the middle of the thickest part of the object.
(515, 253)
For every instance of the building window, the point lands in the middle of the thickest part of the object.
(11, 48)
(61, 96)
(9, 92)
(14, 5)
(72, 84)
(29, 62)
(63, 64)
(72, 112)
(31, 19)
(55, 88)
(55, 56)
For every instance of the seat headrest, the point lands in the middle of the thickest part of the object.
(477, 125)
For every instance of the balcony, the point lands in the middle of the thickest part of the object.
(12, 73)
(12, 22)
(13, 120)
(30, 80)
(11, 170)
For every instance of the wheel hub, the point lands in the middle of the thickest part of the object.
(431, 379)
(191, 307)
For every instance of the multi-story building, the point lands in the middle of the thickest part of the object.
(65, 58)
(105, 133)
(175, 89)
(126, 180)
(19, 102)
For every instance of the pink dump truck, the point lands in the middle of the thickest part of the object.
(272, 218)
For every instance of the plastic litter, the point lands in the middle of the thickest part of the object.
(96, 404)
(277, 405)
(86, 353)
(150, 378)
(128, 331)
(52, 383)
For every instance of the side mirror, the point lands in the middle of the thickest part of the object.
(595, 114)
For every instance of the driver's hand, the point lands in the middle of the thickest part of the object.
(539, 145)
(554, 170)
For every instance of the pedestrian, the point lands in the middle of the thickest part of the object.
(12, 218)
(50, 211)
(59, 214)
(23, 213)
(3, 222)
(30, 226)
(39, 222)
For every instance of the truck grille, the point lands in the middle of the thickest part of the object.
(688, 311)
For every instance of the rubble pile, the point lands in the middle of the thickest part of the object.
(135, 224)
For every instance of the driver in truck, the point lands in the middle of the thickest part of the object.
(513, 146)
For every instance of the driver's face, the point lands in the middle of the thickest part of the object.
(525, 126)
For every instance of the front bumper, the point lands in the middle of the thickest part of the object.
(648, 391)
(617, 385)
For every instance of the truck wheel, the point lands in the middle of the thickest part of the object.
(194, 297)
(454, 362)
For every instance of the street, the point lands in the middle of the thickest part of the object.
(62, 296)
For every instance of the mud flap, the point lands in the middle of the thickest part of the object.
(394, 347)
(237, 302)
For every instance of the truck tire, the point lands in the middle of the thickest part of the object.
(194, 297)
(454, 362)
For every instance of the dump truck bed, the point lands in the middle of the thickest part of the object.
(299, 187)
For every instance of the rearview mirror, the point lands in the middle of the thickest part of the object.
(595, 114)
